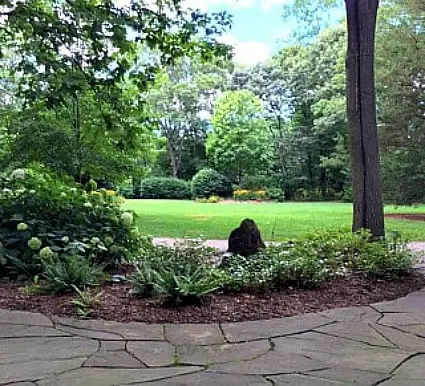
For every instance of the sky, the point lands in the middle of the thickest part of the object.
(258, 27)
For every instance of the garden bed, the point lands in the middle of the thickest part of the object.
(115, 303)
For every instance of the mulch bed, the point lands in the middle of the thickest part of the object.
(116, 304)
(407, 216)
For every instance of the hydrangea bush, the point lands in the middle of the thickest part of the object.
(42, 216)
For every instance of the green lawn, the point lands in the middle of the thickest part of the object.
(277, 221)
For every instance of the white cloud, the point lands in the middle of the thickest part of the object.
(231, 4)
(247, 52)
(268, 4)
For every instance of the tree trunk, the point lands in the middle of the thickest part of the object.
(361, 112)
(173, 158)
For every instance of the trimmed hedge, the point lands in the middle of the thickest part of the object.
(165, 188)
(208, 182)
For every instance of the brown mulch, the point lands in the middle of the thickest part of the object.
(116, 304)
(407, 216)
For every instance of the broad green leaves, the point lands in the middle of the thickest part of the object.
(240, 143)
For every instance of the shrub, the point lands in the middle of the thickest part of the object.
(183, 273)
(347, 195)
(185, 285)
(245, 195)
(84, 301)
(208, 182)
(126, 190)
(63, 275)
(209, 200)
(259, 182)
(317, 258)
(164, 188)
(38, 210)
(317, 195)
(275, 194)
(388, 258)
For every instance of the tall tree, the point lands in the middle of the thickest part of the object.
(68, 50)
(309, 146)
(361, 112)
(180, 103)
(361, 108)
(239, 144)
(401, 99)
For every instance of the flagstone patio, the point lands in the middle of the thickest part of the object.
(381, 344)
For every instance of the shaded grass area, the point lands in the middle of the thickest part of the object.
(277, 221)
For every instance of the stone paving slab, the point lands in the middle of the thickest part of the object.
(25, 318)
(333, 352)
(298, 379)
(17, 372)
(18, 331)
(414, 368)
(263, 329)
(207, 355)
(403, 339)
(412, 303)
(112, 377)
(194, 334)
(401, 319)
(358, 331)
(352, 314)
(22, 350)
(125, 331)
(153, 354)
(114, 359)
(350, 376)
(210, 379)
(382, 344)
(272, 363)
(86, 333)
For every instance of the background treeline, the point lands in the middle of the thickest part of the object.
(278, 125)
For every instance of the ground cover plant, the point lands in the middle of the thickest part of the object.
(185, 271)
(277, 221)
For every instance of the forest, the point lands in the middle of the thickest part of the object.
(119, 98)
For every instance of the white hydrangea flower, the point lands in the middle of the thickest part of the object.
(108, 241)
(34, 243)
(127, 218)
(46, 253)
(22, 226)
(95, 240)
(18, 174)
(114, 249)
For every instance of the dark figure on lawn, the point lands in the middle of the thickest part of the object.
(245, 240)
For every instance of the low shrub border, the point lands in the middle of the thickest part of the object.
(165, 188)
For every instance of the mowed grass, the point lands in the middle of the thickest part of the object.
(277, 221)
